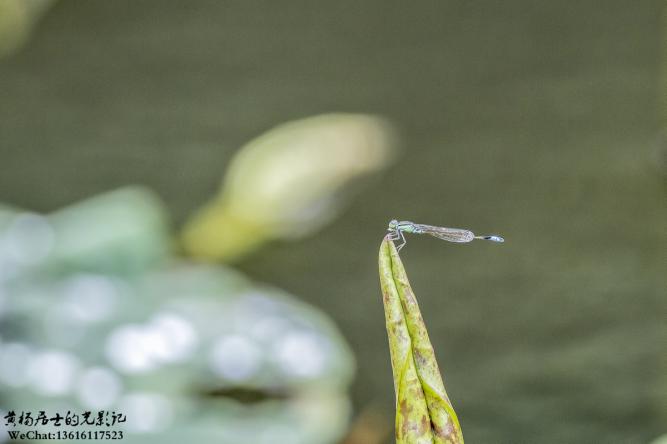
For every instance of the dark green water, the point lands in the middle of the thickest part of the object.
(534, 119)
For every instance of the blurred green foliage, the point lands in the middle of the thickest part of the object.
(96, 314)
(17, 18)
(288, 183)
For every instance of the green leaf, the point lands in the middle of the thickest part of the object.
(424, 413)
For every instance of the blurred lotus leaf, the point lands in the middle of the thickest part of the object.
(17, 18)
(288, 183)
(188, 353)
(125, 230)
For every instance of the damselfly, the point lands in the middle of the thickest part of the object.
(397, 229)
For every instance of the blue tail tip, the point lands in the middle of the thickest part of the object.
(494, 238)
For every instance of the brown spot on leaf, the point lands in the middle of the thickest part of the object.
(425, 425)
(405, 412)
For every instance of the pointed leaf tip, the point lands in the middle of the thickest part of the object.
(424, 413)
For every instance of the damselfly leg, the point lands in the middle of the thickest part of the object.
(402, 237)
(397, 234)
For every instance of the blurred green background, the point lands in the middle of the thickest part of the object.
(534, 119)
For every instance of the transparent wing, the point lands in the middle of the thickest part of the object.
(449, 234)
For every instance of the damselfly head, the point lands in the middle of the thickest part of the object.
(393, 225)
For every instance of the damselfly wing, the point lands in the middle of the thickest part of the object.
(449, 234)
